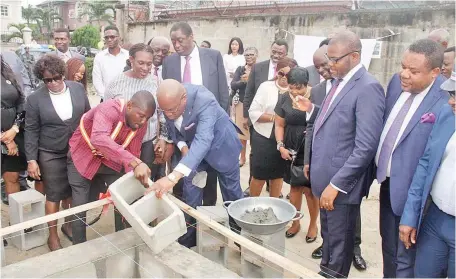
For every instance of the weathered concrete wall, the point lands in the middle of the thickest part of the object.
(261, 31)
(119, 255)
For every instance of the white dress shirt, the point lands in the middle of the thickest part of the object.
(444, 185)
(271, 72)
(328, 88)
(159, 73)
(62, 104)
(195, 67)
(106, 67)
(181, 167)
(392, 116)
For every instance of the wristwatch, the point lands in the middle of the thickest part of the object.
(172, 178)
(279, 145)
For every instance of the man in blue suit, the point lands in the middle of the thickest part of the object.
(428, 217)
(411, 95)
(345, 137)
(206, 137)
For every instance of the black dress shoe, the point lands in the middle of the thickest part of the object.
(324, 274)
(318, 253)
(359, 263)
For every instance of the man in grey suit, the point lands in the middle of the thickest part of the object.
(198, 66)
(345, 138)
(62, 44)
(317, 96)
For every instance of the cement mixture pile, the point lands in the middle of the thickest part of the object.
(260, 216)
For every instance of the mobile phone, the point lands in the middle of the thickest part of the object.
(4, 150)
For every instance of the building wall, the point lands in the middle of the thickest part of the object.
(14, 14)
(260, 31)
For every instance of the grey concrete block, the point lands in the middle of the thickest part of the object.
(25, 206)
(147, 210)
(85, 271)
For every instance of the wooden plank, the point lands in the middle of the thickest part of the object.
(52, 217)
(287, 264)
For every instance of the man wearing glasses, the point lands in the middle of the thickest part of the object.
(110, 62)
(160, 46)
(207, 138)
(345, 138)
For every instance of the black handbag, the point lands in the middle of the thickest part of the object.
(297, 177)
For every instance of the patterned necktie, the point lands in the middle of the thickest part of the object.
(324, 109)
(187, 73)
(390, 139)
(156, 74)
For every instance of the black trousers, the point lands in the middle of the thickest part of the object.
(148, 157)
(85, 191)
(338, 230)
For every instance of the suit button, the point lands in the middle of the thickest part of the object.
(319, 138)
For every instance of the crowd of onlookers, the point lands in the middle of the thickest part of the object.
(327, 130)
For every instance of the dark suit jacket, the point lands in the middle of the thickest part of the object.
(212, 69)
(345, 144)
(314, 76)
(208, 130)
(43, 127)
(258, 75)
(317, 95)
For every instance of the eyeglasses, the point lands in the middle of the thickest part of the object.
(49, 80)
(337, 59)
(249, 55)
(451, 93)
(111, 37)
(174, 110)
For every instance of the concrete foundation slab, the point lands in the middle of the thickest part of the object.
(142, 211)
(121, 254)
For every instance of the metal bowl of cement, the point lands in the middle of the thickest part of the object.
(283, 210)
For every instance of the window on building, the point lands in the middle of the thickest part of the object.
(4, 11)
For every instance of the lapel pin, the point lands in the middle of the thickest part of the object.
(8, 82)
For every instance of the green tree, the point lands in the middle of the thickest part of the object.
(16, 29)
(28, 14)
(87, 36)
(96, 11)
(45, 19)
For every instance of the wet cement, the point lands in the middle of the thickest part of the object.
(260, 216)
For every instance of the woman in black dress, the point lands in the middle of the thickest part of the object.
(53, 114)
(12, 134)
(290, 127)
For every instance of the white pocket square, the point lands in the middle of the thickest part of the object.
(189, 126)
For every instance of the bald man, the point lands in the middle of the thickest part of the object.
(206, 138)
(160, 46)
(346, 133)
(440, 36)
(100, 152)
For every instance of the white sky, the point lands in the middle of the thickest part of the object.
(25, 3)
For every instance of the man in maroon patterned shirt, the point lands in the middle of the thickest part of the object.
(106, 145)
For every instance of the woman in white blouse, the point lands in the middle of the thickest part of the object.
(52, 115)
(234, 58)
(267, 163)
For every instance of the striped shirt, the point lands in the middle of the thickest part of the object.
(125, 87)
(99, 124)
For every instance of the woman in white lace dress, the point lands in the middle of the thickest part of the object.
(234, 58)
